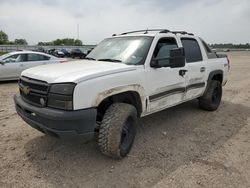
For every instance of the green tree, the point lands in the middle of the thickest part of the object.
(78, 42)
(41, 43)
(61, 42)
(3, 38)
(20, 42)
(57, 42)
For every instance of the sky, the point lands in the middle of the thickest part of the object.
(216, 21)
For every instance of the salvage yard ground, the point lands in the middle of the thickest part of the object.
(179, 147)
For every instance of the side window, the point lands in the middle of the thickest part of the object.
(209, 52)
(37, 57)
(15, 58)
(46, 57)
(192, 50)
(162, 50)
(11, 59)
(22, 58)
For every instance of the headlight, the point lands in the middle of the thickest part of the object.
(62, 89)
(61, 96)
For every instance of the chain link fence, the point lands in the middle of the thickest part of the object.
(11, 48)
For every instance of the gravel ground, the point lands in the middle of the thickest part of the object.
(179, 147)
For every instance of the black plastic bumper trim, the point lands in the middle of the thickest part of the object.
(58, 122)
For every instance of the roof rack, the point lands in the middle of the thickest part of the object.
(181, 32)
(146, 31)
(159, 30)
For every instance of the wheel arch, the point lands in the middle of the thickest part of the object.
(214, 75)
(132, 94)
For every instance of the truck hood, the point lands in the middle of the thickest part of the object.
(75, 71)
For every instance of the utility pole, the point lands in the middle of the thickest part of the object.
(78, 31)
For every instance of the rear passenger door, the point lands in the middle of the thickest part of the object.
(35, 60)
(196, 69)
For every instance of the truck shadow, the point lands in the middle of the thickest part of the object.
(164, 142)
(9, 82)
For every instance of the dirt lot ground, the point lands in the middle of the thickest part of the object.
(179, 147)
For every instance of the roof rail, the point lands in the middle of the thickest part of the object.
(181, 32)
(146, 31)
(159, 30)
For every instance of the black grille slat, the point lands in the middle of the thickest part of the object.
(34, 84)
(37, 90)
(34, 90)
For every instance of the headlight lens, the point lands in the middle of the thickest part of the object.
(61, 96)
(63, 89)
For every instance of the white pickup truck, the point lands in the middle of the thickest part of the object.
(125, 77)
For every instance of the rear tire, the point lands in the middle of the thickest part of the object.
(211, 99)
(118, 130)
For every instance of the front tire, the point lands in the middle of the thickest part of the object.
(211, 99)
(118, 130)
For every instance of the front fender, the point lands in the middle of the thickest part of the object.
(121, 89)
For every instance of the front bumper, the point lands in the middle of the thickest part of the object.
(59, 123)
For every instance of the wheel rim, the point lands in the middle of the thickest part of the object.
(127, 136)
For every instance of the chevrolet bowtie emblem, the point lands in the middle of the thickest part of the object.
(26, 90)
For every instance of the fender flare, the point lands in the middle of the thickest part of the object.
(119, 90)
(211, 75)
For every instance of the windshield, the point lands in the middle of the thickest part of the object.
(4, 56)
(128, 50)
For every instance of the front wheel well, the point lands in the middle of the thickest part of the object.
(128, 97)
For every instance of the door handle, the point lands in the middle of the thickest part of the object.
(202, 69)
(182, 72)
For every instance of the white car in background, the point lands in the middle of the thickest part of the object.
(13, 63)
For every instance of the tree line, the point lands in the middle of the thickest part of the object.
(76, 42)
(60, 42)
(4, 39)
(230, 45)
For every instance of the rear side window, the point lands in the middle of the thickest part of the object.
(46, 57)
(192, 50)
(209, 52)
(37, 57)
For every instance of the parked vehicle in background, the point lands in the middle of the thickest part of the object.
(66, 52)
(51, 51)
(77, 53)
(125, 77)
(40, 49)
(12, 64)
(58, 53)
(89, 50)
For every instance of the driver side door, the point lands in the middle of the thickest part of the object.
(165, 86)
(11, 67)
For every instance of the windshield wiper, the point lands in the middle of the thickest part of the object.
(90, 58)
(111, 60)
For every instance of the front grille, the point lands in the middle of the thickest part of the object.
(37, 91)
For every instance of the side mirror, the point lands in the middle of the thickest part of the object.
(155, 63)
(177, 58)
